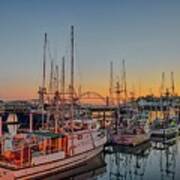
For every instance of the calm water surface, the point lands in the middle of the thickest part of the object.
(153, 161)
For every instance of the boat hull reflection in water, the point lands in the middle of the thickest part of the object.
(128, 163)
(158, 160)
(87, 170)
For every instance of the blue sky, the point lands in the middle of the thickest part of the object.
(145, 33)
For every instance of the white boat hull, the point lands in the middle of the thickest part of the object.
(49, 168)
(130, 140)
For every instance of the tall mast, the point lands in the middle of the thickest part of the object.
(162, 92)
(111, 83)
(162, 83)
(124, 81)
(172, 84)
(72, 85)
(63, 77)
(57, 78)
(44, 78)
(44, 61)
(51, 76)
(72, 61)
(118, 92)
(63, 86)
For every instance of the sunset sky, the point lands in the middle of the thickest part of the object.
(144, 33)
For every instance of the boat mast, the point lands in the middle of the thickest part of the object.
(172, 84)
(72, 84)
(118, 92)
(162, 92)
(44, 60)
(124, 81)
(111, 84)
(63, 87)
(63, 78)
(72, 62)
(44, 76)
(57, 78)
(173, 93)
(51, 77)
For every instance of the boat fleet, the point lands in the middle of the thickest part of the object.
(28, 153)
(132, 130)
(67, 136)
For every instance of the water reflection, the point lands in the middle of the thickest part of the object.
(89, 170)
(152, 161)
(158, 161)
(167, 158)
(129, 163)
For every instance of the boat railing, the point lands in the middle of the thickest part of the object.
(22, 155)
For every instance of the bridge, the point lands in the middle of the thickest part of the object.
(98, 108)
(92, 101)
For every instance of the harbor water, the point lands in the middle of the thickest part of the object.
(153, 160)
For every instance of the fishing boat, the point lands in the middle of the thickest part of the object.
(33, 154)
(164, 130)
(136, 150)
(57, 145)
(131, 137)
(130, 132)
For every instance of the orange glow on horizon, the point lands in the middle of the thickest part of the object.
(30, 91)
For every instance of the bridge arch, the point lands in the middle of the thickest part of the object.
(92, 96)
